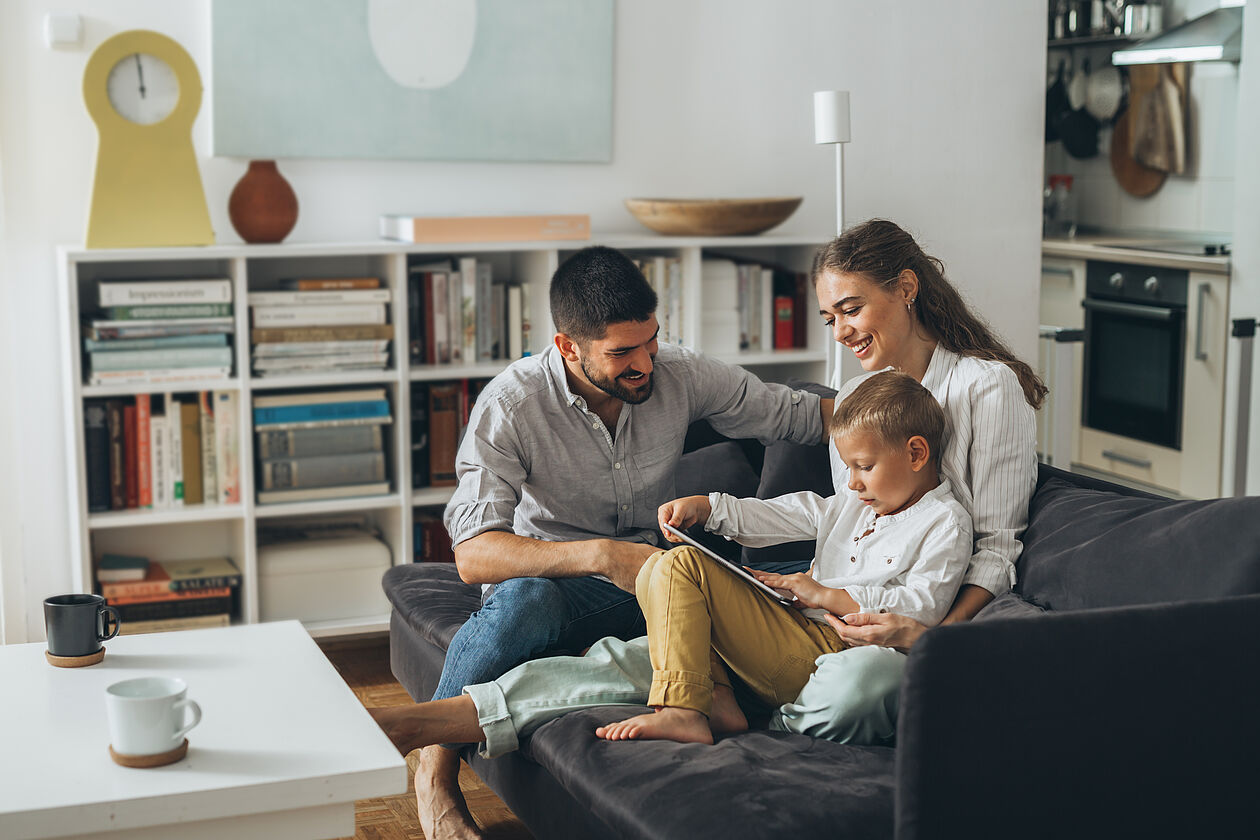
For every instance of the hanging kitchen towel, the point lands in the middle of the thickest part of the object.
(1159, 128)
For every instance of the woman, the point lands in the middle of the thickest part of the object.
(888, 302)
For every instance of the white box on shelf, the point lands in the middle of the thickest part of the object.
(322, 579)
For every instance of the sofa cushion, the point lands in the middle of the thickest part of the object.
(722, 467)
(1089, 548)
(431, 599)
(1008, 605)
(754, 784)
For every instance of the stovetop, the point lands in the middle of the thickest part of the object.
(1194, 249)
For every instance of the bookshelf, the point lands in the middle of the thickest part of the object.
(232, 529)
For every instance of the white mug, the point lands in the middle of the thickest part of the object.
(147, 715)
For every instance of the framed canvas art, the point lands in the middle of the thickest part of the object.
(486, 80)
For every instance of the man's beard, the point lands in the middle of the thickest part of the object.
(614, 387)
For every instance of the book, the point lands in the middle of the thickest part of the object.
(415, 321)
(320, 411)
(118, 568)
(159, 446)
(96, 454)
(322, 297)
(436, 321)
(455, 321)
(432, 542)
(318, 348)
(322, 470)
(93, 345)
(358, 332)
(419, 435)
(165, 576)
(485, 228)
(327, 424)
(147, 292)
(766, 291)
(316, 284)
(209, 470)
(158, 329)
(117, 455)
(190, 452)
(170, 357)
(166, 625)
(159, 323)
(144, 451)
(182, 608)
(318, 397)
(331, 360)
(172, 595)
(318, 315)
(526, 328)
(336, 440)
(175, 457)
(444, 416)
(313, 494)
(158, 376)
(495, 346)
(131, 473)
(515, 345)
(784, 331)
(164, 311)
(471, 315)
(227, 459)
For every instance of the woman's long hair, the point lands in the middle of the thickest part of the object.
(879, 250)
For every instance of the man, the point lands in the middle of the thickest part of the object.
(566, 458)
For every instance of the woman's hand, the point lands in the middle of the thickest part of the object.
(883, 629)
(683, 513)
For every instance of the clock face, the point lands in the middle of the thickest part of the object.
(143, 88)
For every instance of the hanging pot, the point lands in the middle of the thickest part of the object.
(1104, 93)
(1079, 133)
(1057, 107)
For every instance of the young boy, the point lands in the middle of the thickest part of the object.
(896, 542)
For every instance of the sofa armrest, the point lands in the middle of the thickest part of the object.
(1133, 721)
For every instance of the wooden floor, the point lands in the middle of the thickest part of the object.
(365, 667)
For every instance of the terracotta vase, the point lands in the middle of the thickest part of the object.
(263, 207)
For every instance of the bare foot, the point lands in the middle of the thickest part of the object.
(667, 723)
(726, 716)
(440, 803)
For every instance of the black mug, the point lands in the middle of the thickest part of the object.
(77, 624)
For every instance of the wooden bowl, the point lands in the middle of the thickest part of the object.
(711, 217)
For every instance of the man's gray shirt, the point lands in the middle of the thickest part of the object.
(535, 461)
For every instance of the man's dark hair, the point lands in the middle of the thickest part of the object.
(596, 287)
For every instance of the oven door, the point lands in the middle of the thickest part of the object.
(1134, 355)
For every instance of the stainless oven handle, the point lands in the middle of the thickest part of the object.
(1199, 353)
(1133, 310)
(1141, 463)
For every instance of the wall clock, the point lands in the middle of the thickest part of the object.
(143, 92)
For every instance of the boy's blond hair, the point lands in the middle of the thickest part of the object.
(894, 407)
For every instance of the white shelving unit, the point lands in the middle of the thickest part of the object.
(231, 530)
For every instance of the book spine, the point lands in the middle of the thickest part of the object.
(158, 446)
(93, 345)
(783, 327)
(144, 453)
(96, 454)
(526, 327)
(307, 298)
(514, 321)
(327, 424)
(455, 320)
(415, 334)
(320, 411)
(175, 456)
(318, 316)
(444, 411)
(325, 360)
(419, 435)
(209, 481)
(743, 294)
(171, 594)
(470, 313)
(362, 332)
(432, 318)
(175, 357)
(319, 348)
(486, 228)
(168, 625)
(190, 451)
(498, 311)
(135, 589)
(321, 284)
(158, 376)
(150, 292)
(302, 443)
(117, 455)
(165, 329)
(185, 608)
(323, 471)
(227, 446)
(211, 582)
(182, 310)
(767, 309)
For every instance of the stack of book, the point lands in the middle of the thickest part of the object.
(664, 275)
(458, 313)
(753, 307)
(321, 325)
(439, 416)
(321, 445)
(159, 331)
(161, 595)
(148, 451)
(432, 542)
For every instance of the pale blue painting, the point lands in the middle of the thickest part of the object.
(505, 80)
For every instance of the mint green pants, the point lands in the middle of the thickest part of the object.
(850, 698)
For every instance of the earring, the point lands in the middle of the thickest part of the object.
(910, 304)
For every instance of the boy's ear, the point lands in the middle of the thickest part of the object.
(919, 451)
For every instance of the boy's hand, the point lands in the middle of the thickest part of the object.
(683, 513)
(809, 592)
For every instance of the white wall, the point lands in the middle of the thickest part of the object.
(712, 98)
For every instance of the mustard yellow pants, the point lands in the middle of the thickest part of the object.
(696, 608)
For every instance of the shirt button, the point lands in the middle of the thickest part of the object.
(625, 507)
(852, 559)
(594, 425)
(617, 465)
(883, 609)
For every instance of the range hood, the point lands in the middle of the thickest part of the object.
(1215, 36)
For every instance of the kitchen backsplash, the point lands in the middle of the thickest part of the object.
(1202, 200)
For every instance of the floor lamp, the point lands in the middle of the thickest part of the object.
(831, 125)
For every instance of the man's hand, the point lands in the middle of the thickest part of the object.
(683, 513)
(620, 561)
(883, 629)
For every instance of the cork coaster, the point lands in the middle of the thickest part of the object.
(75, 661)
(156, 760)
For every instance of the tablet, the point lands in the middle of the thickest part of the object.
(739, 571)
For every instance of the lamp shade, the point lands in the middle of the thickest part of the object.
(831, 116)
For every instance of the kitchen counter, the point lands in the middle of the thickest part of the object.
(1102, 247)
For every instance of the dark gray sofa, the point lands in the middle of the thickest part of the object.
(1113, 694)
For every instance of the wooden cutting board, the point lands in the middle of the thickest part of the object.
(1134, 178)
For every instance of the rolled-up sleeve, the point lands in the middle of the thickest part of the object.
(739, 405)
(931, 583)
(490, 467)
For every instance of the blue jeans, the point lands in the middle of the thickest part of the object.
(525, 618)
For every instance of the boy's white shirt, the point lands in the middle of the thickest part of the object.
(912, 564)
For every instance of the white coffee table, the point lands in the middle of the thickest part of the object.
(283, 750)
